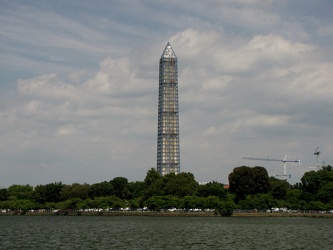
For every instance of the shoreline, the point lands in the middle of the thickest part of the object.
(171, 214)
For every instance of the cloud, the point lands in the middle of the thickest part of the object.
(66, 130)
(47, 86)
(253, 80)
(258, 93)
(232, 97)
(115, 77)
(261, 121)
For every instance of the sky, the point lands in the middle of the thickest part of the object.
(79, 87)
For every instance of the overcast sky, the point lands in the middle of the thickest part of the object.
(79, 86)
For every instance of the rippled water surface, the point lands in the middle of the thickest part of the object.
(107, 232)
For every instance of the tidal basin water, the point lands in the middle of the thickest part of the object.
(141, 232)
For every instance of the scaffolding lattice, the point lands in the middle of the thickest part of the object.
(168, 155)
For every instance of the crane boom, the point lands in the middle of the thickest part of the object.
(270, 159)
(284, 160)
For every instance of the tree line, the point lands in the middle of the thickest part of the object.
(249, 188)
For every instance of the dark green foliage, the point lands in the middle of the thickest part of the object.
(119, 186)
(213, 202)
(101, 189)
(193, 202)
(245, 180)
(226, 208)
(135, 189)
(75, 190)
(134, 204)
(250, 188)
(163, 202)
(21, 191)
(154, 189)
(325, 193)
(258, 201)
(4, 194)
(317, 186)
(212, 188)
(261, 180)
(18, 204)
(153, 182)
(314, 180)
(315, 205)
(310, 182)
(279, 188)
(48, 193)
(293, 199)
(72, 203)
(179, 185)
(151, 177)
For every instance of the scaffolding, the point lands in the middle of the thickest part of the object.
(168, 155)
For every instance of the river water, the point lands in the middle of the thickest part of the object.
(141, 232)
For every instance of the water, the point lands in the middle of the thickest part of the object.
(107, 232)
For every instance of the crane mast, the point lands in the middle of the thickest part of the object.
(317, 153)
(284, 160)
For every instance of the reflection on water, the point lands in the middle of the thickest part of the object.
(99, 232)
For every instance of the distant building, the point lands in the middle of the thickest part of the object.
(168, 156)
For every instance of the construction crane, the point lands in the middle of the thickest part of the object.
(284, 160)
(317, 153)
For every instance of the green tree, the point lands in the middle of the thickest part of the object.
(163, 202)
(75, 190)
(118, 204)
(325, 193)
(258, 201)
(100, 203)
(101, 189)
(317, 187)
(21, 192)
(315, 205)
(200, 202)
(49, 205)
(8, 204)
(155, 203)
(151, 177)
(4, 194)
(21, 204)
(312, 181)
(261, 180)
(73, 203)
(154, 189)
(91, 203)
(213, 202)
(135, 189)
(212, 189)
(245, 180)
(180, 185)
(293, 199)
(48, 193)
(134, 203)
(226, 208)
(190, 201)
(120, 186)
(278, 188)
(114, 202)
